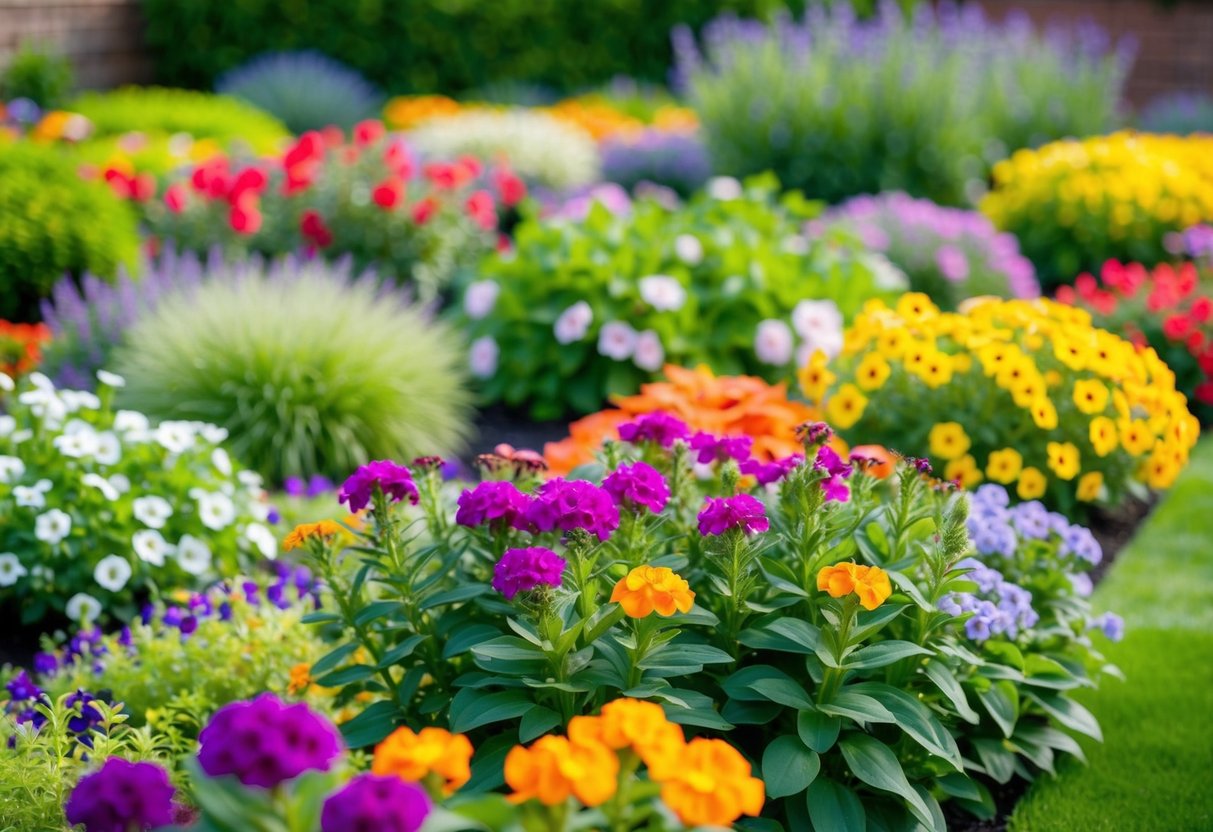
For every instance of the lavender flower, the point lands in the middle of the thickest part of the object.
(522, 570)
(720, 514)
(638, 486)
(394, 480)
(495, 502)
(1112, 626)
(572, 504)
(677, 160)
(371, 801)
(21, 687)
(122, 797)
(658, 427)
(999, 607)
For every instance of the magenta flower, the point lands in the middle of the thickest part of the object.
(265, 742)
(120, 797)
(835, 488)
(658, 427)
(769, 472)
(371, 801)
(830, 462)
(521, 570)
(572, 504)
(743, 512)
(712, 448)
(814, 433)
(637, 486)
(496, 502)
(395, 481)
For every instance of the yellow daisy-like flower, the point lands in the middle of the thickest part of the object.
(1090, 486)
(963, 471)
(846, 407)
(1032, 484)
(815, 378)
(1044, 414)
(1064, 460)
(307, 531)
(948, 440)
(1090, 396)
(1136, 436)
(1102, 434)
(1004, 466)
(872, 372)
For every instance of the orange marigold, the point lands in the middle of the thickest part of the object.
(649, 588)
(641, 726)
(712, 785)
(870, 583)
(306, 531)
(301, 678)
(556, 767)
(412, 756)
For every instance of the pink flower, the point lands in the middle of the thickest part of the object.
(522, 570)
(743, 512)
(393, 479)
(572, 504)
(658, 427)
(496, 502)
(769, 472)
(638, 486)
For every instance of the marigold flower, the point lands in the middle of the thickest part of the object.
(304, 532)
(948, 440)
(1064, 460)
(1032, 484)
(713, 785)
(1004, 466)
(636, 724)
(653, 588)
(1090, 485)
(413, 756)
(301, 678)
(554, 768)
(870, 583)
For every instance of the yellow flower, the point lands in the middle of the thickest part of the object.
(1032, 484)
(1091, 396)
(869, 583)
(653, 588)
(1004, 466)
(415, 756)
(1136, 436)
(948, 440)
(873, 371)
(846, 407)
(1070, 352)
(1102, 434)
(913, 306)
(301, 678)
(1044, 414)
(892, 343)
(1063, 459)
(712, 786)
(935, 369)
(1161, 469)
(555, 768)
(815, 378)
(963, 471)
(1090, 486)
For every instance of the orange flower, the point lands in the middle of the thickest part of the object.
(413, 757)
(555, 767)
(306, 531)
(301, 678)
(649, 588)
(712, 785)
(641, 726)
(21, 347)
(870, 583)
(882, 463)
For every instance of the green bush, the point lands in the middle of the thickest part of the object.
(39, 75)
(310, 371)
(52, 222)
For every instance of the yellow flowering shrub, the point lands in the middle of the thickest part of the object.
(1027, 394)
(1074, 204)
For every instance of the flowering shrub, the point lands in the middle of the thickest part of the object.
(675, 159)
(21, 347)
(1023, 393)
(1167, 308)
(97, 507)
(590, 308)
(1074, 204)
(947, 253)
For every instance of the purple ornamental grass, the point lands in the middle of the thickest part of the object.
(393, 479)
(494, 502)
(658, 427)
(565, 505)
(522, 570)
(745, 512)
(638, 486)
(122, 796)
(374, 803)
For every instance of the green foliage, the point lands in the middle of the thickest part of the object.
(52, 222)
(309, 370)
(39, 75)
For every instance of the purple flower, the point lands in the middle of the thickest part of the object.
(1083, 586)
(769, 472)
(711, 448)
(521, 570)
(658, 427)
(1113, 626)
(395, 481)
(1078, 541)
(45, 663)
(121, 797)
(952, 263)
(318, 484)
(265, 742)
(89, 716)
(1031, 519)
(814, 433)
(638, 486)
(835, 489)
(496, 502)
(294, 486)
(829, 461)
(21, 687)
(743, 512)
(572, 504)
(371, 802)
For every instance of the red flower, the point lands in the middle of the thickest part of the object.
(387, 194)
(210, 177)
(445, 176)
(511, 189)
(368, 132)
(398, 159)
(144, 187)
(1195, 342)
(314, 229)
(244, 216)
(1176, 327)
(249, 181)
(424, 209)
(333, 136)
(1201, 311)
(308, 148)
(1065, 294)
(1204, 392)
(175, 197)
(481, 209)
(471, 167)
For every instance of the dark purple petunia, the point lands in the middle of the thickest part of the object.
(122, 796)
(21, 687)
(373, 802)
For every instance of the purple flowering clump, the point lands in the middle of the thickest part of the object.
(21, 687)
(1031, 519)
(835, 489)
(770, 472)
(497, 502)
(711, 448)
(1078, 541)
(88, 718)
(265, 742)
(572, 504)
(45, 663)
(999, 607)
(521, 570)
(638, 486)
(658, 427)
(373, 802)
(395, 480)
(1112, 625)
(678, 160)
(122, 796)
(743, 512)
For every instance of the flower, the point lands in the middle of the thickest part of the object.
(636, 724)
(712, 785)
(846, 407)
(112, 572)
(572, 504)
(1032, 484)
(11, 569)
(771, 472)
(638, 486)
(688, 249)
(265, 742)
(497, 502)
(662, 292)
(963, 471)
(217, 511)
(773, 342)
(122, 796)
(480, 297)
(724, 188)
(1112, 625)
(1090, 395)
(152, 512)
(554, 768)
(384, 804)
(1090, 486)
(522, 570)
(649, 354)
(482, 356)
(573, 323)
(743, 511)
(193, 555)
(301, 534)
(395, 481)
(646, 589)
(1004, 466)
(82, 607)
(658, 427)
(1063, 460)
(948, 440)
(414, 756)
(870, 583)
(52, 527)
(617, 340)
(21, 688)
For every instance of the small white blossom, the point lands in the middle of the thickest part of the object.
(249, 479)
(52, 526)
(211, 433)
(151, 547)
(83, 608)
(11, 468)
(20, 436)
(480, 298)
(259, 509)
(41, 382)
(76, 445)
(193, 555)
(121, 483)
(175, 437)
(573, 323)
(688, 249)
(819, 323)
(108, 449)
(110, 379)
(221, 461)
(261, 539)
(112, 573)
(482, 357)
(724, 188)
(773, 342)
(152, 511)
(101, 484)
(216, 510)
(29, 497)
(649, 354)
(662, 292)
(75, 400)
(6, 383)
(886, 275)
(11, 569)
(128, 421)
(7, 424)
(617, 340)
(46, 406)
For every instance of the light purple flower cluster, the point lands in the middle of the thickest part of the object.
(677, 160)
(1195, 242)
(657, 427)
(999, 607)
(720, 514)
(521, 570)
(372, 802)
(393, 479)
(1111, 624)
(265, 742)
(314, 486)
(122, 796)
(495, 502)
(997, 528)
(638, 486)
(564, 505)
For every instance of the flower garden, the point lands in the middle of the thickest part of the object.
(860, 359)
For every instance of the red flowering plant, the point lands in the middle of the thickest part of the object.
(1169, 308)
(368, 197)
(21, 347)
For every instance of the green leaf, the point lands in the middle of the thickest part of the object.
(346, 676)
(1070, 714)
(765, 682)
(371, 726)
(788, 767)
(943, 678)
(401, 651)
(536, 722)
(1002, 702)
(996, 759)
(869, 623)
(863, 709)
(472, 708)
(509, 648)
(916, 720)
(333, 658)
(872, 762)
(787, 635)
(467, 637)
(374, 610)
(452, 596)
(1006, 653)
(883, 653)
(819, 731)
(959, 785)
(835, 808)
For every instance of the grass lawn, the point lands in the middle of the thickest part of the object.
(1154, 770)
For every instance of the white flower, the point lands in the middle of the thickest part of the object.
(101, 484)
(688, 249)
(649, 355)
(130, 421)
(11, 569)
(152, 511)
(112, 573)
(81, 607)
(108, 448)
(886, 275)
(617, 340)
(573, 323)
(151, 547)
(258, 509)
(262, 539)
(819, 323)
(211, 433)
(6, 383)
(217, 511)
(773, 342)
(75, 400)
(52, 526)
(110, 379)
(20, 436)
(796, 244)
(175, 437)
(221, 461)
(121, 483)
(193, 555)
(480, 298)
(11, 468)
(7, 424)
(724, 188)
(29, 496)
(662, 292)
(80, 443)
(41, 382)
(482, 357)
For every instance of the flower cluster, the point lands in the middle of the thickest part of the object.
(373, 802)
(122, 796)
(523, 570)
(433, 754)
(870, 584)
(649, 589)
(393, 481)
(999, 607)
(21, 347)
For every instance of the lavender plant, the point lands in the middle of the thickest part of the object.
(675, 159)
(1181, 112)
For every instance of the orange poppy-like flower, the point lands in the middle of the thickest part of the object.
(870, 583)
(412, 756)
(878, 462)
(636, 724)
(301, 679)
(712, 785)
(649, 588)
(21, 347)
(304, 532)
(556, 767)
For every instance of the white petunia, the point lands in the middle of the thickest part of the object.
(41, 382)
(6, 383)
(151, 547)
(127, 421)
(76, 445)
(108, 448)
(11, 569)
(217, 511)
(7, 424)
(211, 433)
(819, 323)
(29, 496)
(52, 526)
(249, 479)
(175, 437)
(46, 405)
(110, 379)
(152, 511)
(262, 539)
(221, 461)
(617, 340)
(649, 354)
(688, 249)
(482, 357)
(19, 436)
(773, 342)
(724, 188)
(259, 509)
(573, 323)
(480, 298)
(11, 468)
(83, 608)
(112, 573)
(193, 555)
(101, 484)
(662, 292)
(75, 400)
(121, 482)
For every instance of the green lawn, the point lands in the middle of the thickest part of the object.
(1154, 770)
